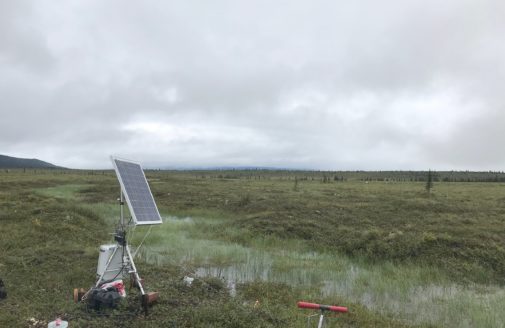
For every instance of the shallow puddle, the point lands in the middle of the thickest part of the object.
(408, 293)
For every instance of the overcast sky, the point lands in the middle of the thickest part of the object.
(297, 84)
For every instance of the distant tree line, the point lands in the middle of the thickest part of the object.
(301, 175)
(341, 176)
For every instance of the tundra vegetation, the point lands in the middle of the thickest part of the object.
(257, 241)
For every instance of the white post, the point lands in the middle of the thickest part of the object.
(321, 319)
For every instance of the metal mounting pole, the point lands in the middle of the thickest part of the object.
(129, 257)
(321, 319)
(121, 204)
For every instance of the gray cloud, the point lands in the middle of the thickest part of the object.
(327, 85)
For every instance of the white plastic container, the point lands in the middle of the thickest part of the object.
(58, 323)
(113, 272)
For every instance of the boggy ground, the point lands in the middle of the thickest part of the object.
(52, 222)
(458, 225)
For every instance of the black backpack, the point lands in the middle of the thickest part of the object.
(108, 298)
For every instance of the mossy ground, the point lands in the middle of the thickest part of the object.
(52, 222)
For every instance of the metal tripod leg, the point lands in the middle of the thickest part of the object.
(134, 270)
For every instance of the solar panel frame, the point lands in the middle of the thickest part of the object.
(137, 213)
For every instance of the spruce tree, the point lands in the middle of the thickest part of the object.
(429, 182)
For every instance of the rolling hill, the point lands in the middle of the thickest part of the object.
(7, 162)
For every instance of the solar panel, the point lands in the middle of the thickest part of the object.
(136, 191)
